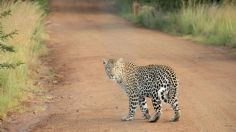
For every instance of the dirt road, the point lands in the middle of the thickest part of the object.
(83, 32)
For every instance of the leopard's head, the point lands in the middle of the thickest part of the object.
(113, 68)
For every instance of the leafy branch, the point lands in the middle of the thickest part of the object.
(4, 47)
(7, 36)
(10, 65)
(5, 13)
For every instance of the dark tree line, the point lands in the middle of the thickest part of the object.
(170, 5)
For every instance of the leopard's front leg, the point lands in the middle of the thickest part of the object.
(133, 103)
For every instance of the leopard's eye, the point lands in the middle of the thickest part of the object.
(108, 69)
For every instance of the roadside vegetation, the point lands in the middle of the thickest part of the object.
(207, 21)
(21, 33)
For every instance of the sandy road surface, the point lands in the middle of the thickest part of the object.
(83, 32)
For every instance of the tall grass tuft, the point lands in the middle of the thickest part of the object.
(213, 23)
(16, 84)
(146, 17)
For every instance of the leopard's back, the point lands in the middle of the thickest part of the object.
(152, 78)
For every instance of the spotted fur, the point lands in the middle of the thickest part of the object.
(158, 82)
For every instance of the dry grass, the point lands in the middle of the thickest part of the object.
(208, 23)
(16, 84)
(214, 24)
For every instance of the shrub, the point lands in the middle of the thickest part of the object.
(146, 17)
(123, 6)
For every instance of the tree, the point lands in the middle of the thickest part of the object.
(4, 47)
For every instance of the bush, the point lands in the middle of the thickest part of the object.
(146, 17)
(167, 5)
(123, 6)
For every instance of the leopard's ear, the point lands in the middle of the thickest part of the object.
(121, 60)
(104, 61)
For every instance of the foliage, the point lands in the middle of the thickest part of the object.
(43, 4)
(123, 6)
(12, 65)
(174, 5)
(164, 5)
(214, 24)
(146, 17)
(5, 47)
(5, 13)
(4, 36)
(208, 21)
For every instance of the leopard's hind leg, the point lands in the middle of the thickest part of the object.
(173, 101)
(157, 107)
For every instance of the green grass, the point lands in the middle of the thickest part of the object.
(16, 84)
(43, 4)
(207, 23)
(214, 24)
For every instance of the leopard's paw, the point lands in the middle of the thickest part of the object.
(175, 117)
(127, 118)
(146, 116)
(155, 118)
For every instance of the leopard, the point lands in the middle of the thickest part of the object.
(157, 82)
